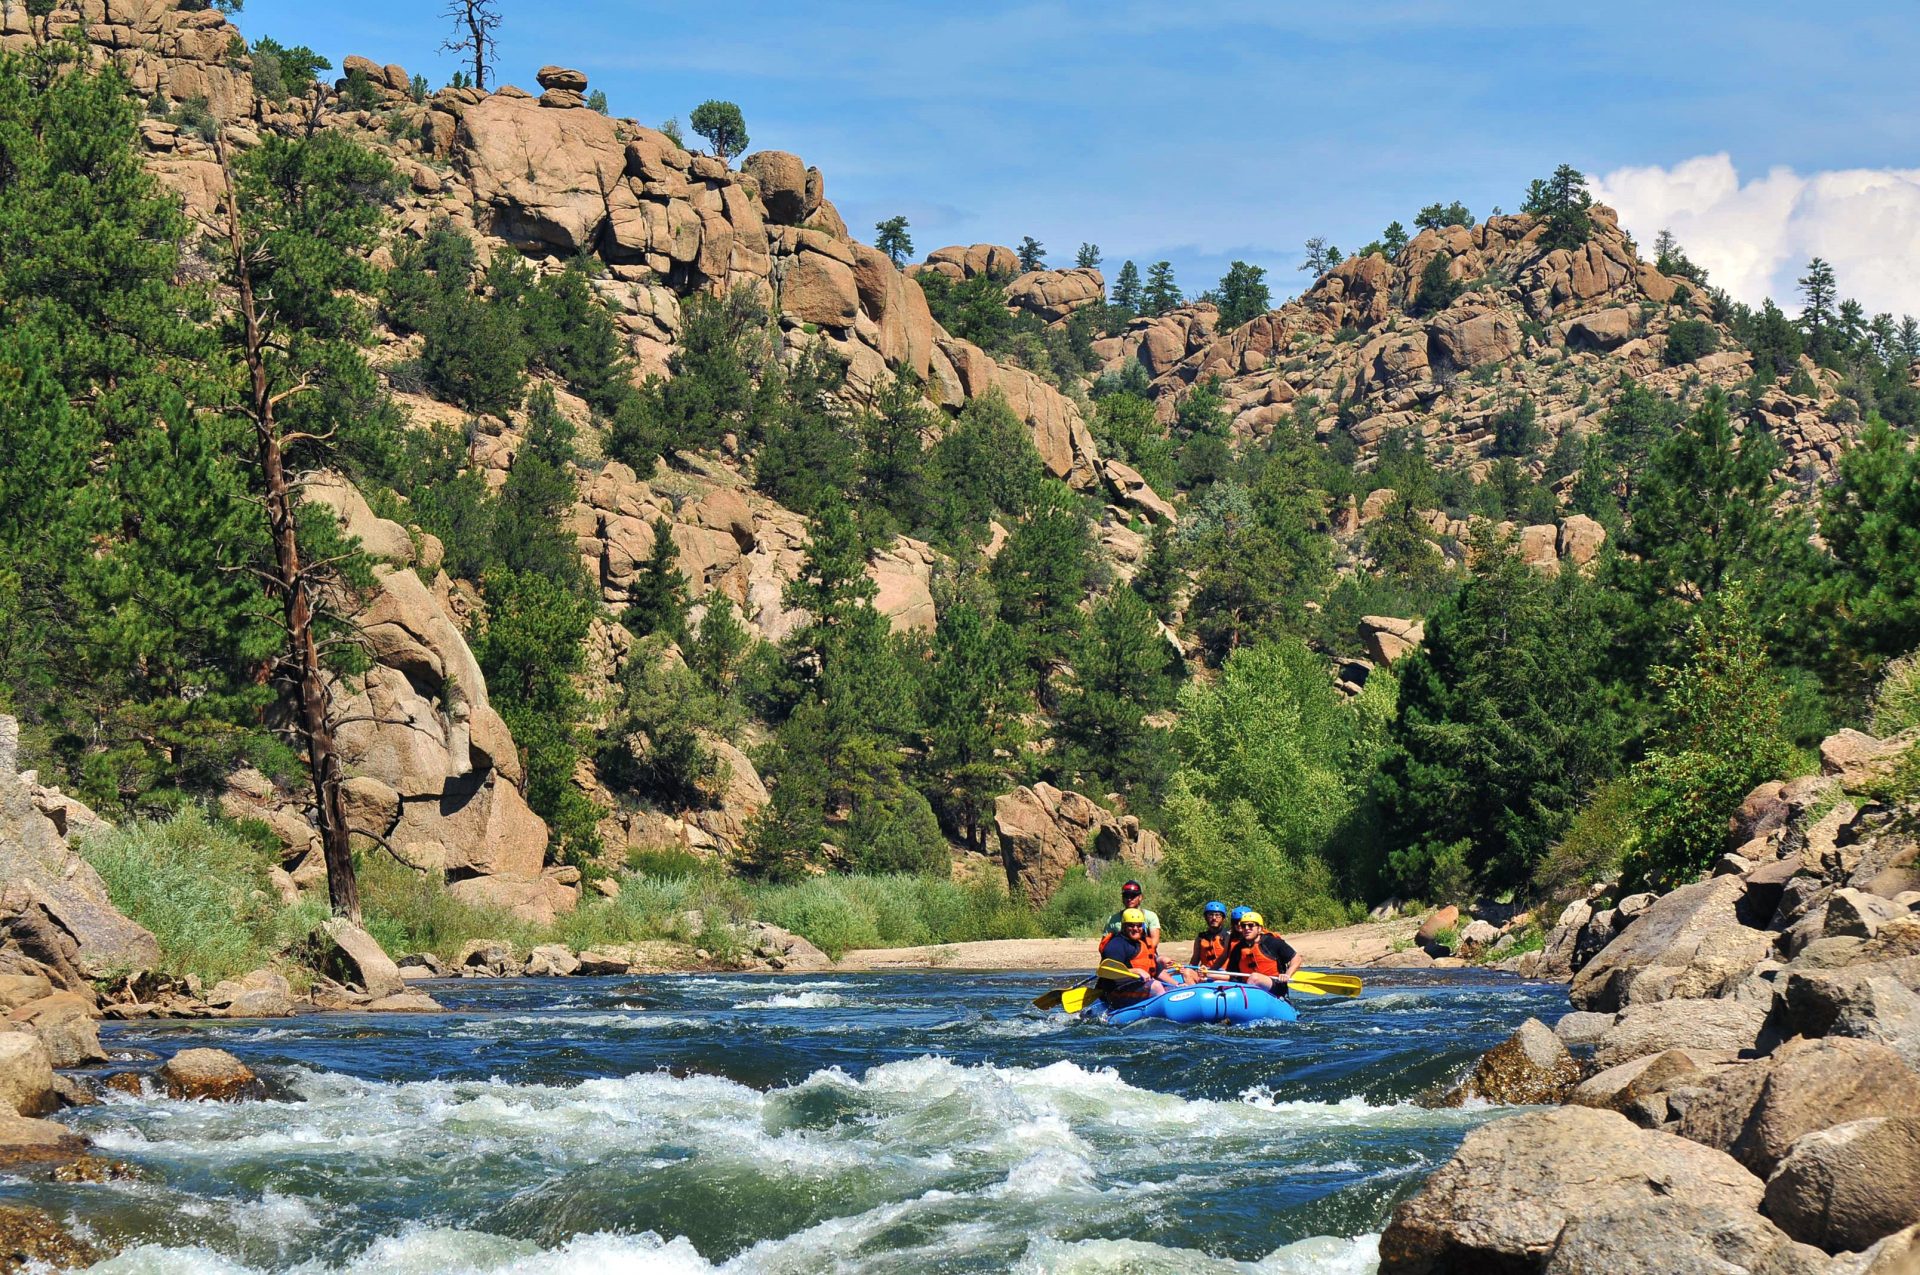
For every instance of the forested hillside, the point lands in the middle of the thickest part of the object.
(645, 515)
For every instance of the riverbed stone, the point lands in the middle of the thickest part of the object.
(1679, 1237)
(551, 960)
(1530, 1066)
(407, 1002)
(209, 1074)
(1638, 1089)
(263, 993)
(64, 1023)
(1711, 1026)
(26, 1075)
(1582, 1027)
(1504, 1199)
(1757, 1110)
(1848, 1186)
(342, 950)
(30, 1238)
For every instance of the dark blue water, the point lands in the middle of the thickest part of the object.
(888, 1122)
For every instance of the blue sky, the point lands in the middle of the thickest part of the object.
(1206, 132)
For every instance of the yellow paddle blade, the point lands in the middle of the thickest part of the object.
(1336, 984)
(1049, 1000)
(1075, 999)
(1114, 969)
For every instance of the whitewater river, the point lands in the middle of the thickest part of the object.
(882, 1123)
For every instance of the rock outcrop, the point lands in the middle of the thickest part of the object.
(54, 909)
(1043, 831)
(1770, 1014)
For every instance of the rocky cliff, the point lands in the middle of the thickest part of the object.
(1558, 326)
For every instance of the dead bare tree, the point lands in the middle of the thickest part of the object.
(292, 582)
(474, 22)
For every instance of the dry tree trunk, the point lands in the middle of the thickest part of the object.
(290, 582)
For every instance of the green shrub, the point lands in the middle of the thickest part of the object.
(1688, 339)
(842, 912)
(409, 911)
(1081, 905)
(1896, 702)
(1596, 839)
(202, 887)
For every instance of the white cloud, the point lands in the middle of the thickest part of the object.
(1754, 238)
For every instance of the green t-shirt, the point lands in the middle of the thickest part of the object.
(1153, 921)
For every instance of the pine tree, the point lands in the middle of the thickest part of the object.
(1818, 293)
(1562, 202)
(1161, 294)
(893, 450)
(1394, 239)
(1126, 289)
(1243, 295)
(1032, 254)
(1041, 575)
(530, 531)
(300, 218)
(1122, 670)
(657, 597)
(971, 699)
(1504, 727)
(891, 237)
(1870, 520)
(1088, 258)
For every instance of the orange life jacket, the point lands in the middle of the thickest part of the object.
(1251, 958)
(1210, 950)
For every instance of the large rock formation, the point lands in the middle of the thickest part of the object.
(1043, 832)
(54, 908)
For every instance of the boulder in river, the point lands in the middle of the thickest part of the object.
(1638, 1089)
(1848, 1186)
(211, 1074)
(64, 1022)
(1530, 1066)
(1713, 1026)
(1672, 1236)
(31, 1238)
(1503, 1201)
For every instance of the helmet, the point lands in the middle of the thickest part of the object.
(1133, 916)
(1239, 914)
(1131, 887)
(1255, 917)
(1213, 905)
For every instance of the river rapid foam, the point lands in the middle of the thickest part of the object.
(891, 1123)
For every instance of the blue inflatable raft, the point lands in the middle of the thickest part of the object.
(1209, 1003)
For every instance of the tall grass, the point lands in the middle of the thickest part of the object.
(204, 891)
(409, 911)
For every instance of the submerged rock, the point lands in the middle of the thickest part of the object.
(31, 1237)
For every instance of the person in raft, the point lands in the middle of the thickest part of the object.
(1130, 900)
(1210, 945)
(1135, 948)
(1266, 959)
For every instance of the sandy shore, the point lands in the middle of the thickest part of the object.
(1350, 945)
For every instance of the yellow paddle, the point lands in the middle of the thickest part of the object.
(1311, 982)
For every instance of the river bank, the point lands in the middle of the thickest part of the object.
(1347, 946)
